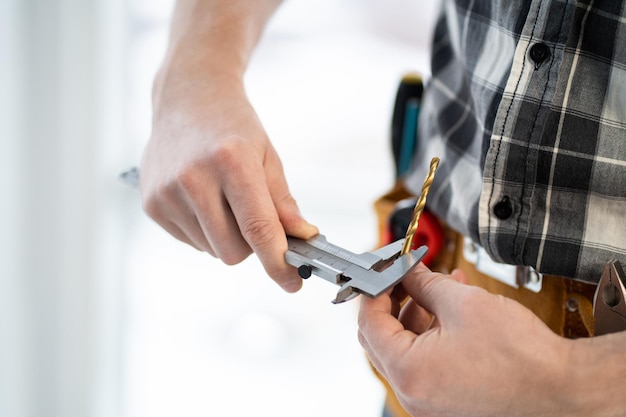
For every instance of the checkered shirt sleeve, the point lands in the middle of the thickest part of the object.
(526, 108)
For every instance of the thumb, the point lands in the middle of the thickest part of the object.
(293, 222)
(286, 207)
(434, 291)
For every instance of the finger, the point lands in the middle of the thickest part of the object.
(433, 291)
(286, 206)
(415, 318)
(364, 333)
(188, 224)
(176, 231)
(260, 226)
(382, 333)
(372, 357)
(218, 225)
(177, 220)
(199, 190)
(399, 294)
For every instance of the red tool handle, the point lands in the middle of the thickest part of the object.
(429, 230)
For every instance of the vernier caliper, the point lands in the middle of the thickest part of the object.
(370, 273)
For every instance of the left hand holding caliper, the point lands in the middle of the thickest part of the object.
(483, 355)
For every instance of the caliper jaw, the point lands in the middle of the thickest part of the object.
(369, 273)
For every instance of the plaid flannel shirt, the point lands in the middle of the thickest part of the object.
(526, 108)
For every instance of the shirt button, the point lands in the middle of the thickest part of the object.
(503, 208)
(539, 52)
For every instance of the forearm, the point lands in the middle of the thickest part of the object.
(596, 375)
(210, 40)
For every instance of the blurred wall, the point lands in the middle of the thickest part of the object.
(60, 71)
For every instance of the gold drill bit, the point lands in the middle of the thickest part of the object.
(419, 207)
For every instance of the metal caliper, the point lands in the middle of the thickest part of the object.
(370, 273)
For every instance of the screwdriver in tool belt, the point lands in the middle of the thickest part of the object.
(404, 121)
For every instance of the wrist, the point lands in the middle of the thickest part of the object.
(184, 84)
(209, 48)
(217, 36)
(595, 371)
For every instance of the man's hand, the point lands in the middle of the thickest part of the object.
(210, 175)
(482, 355)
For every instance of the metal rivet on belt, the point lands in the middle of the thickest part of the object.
(571, 305)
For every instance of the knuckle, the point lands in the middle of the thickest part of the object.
(188, 180)
(227, 157)
(151, 207)
(429, 286)
(471, 299)
(258, 232)
(287, 199)
(159, 194)
(153, 202)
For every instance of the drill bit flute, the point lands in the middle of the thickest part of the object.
(419, 207)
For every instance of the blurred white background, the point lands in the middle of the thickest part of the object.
(101, 312)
